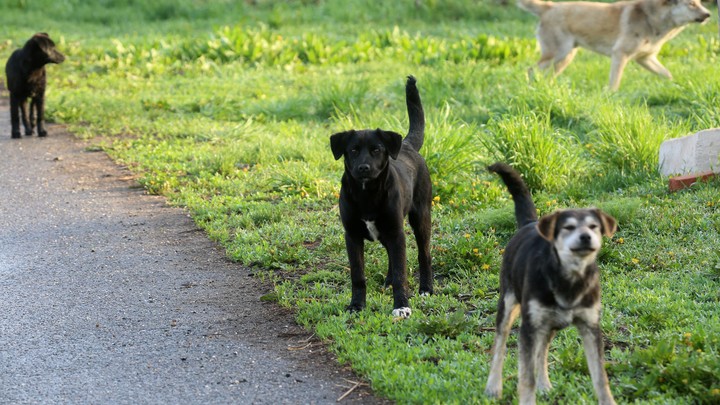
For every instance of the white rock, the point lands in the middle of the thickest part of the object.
(696, 153)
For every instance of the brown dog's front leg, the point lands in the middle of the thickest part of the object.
(356, 256)
(619, 60)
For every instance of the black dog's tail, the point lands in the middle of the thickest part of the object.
(416, 134)
(525, 212)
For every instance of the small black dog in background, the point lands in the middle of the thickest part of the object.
(25, 72)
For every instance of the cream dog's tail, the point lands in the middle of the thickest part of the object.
(536, 7)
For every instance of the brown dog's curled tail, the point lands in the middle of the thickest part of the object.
(525, 211)
(416, 133)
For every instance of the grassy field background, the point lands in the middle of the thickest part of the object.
(226, 109)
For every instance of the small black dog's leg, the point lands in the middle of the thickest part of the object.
(31, 118)
(15, 116)
(24, 116)
(39, 104)
(356, 256)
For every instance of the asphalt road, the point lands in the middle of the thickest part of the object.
(110, 296)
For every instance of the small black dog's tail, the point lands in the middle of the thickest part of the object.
(416, 134)
(525, 211)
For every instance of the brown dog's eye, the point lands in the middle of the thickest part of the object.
(569, 228)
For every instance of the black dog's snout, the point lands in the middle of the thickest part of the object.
(364, 168)
(585, 238)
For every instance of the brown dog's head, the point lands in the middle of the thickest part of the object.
(577, 234)
(684, 12)
(41, 50)
(366, 152)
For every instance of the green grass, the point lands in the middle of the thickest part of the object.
(226, 109)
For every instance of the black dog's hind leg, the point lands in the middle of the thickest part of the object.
(39, 106)
(356, 256)
(15, 116)
(420, 223)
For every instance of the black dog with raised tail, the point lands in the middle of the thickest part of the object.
(385, 180)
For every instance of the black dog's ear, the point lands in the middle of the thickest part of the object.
(338, 142)
(546, 226)
(609, 224)
(392, 141)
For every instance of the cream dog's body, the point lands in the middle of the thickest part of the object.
(626, 30)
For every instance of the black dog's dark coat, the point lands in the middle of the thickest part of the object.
(25, 73)
(386, 179)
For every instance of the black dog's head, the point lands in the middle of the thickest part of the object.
(40, 50)
(366, 152)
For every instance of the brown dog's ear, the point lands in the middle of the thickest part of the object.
(392, 141)
(546, 226)
(609, 224)
(338, 142)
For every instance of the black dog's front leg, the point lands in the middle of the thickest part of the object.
(356, 255)
(24, 116)
(38, 104)
(15, 116)
(398, 263)
(420, 223)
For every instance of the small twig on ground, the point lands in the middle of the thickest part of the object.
(356, 384)
(303, 347)
(307, 344)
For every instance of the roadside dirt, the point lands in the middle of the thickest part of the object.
(112, 296)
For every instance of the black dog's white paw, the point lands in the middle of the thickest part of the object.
(403, 312)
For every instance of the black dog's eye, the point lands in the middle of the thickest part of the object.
(375, 150)
(354, 151)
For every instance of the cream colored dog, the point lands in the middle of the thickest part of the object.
(626, 30)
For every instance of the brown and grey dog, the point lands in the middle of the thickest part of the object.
(626, 30)
(25, 73)
(550, 278)
(385, 180)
